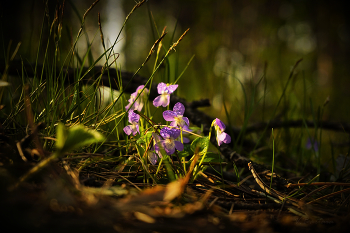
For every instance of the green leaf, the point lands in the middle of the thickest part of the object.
(212, 157)
(76, 137)
(145, 138)
(140, 150)
(148, 135)
(61, 135)
(202, 143)
(141, 140)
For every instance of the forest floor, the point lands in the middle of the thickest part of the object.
(53, 201)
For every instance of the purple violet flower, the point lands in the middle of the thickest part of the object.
(140, 102)
(164, 90)
(221, 136)
(312, 143)
(154, 152)
(152, 157)
(169, 142)
(176, 116)
(134, 127)
(156, 142)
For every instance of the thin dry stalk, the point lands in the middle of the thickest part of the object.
(330, 195)
(319, 183)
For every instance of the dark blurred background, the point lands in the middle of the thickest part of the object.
(233, 42)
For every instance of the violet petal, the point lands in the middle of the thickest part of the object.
(133, 117)
(186, 140)
(223, 138)
(186, 121)
(152, 157)
(179, 146)
(174, 133)
(171, 88)
(179, 108)
(157, 101)
(168, 147)
(169, 115)
(219, 123)
(165, 133)
(128, 129)
(161, 88)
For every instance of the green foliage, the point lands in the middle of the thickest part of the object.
(83, 113)
(202, 143)
(75, 137)
(212, 157)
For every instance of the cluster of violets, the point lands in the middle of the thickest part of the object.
(169, 137)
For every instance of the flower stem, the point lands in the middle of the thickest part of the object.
(183, 158)
(159, 165)
(196, 170)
